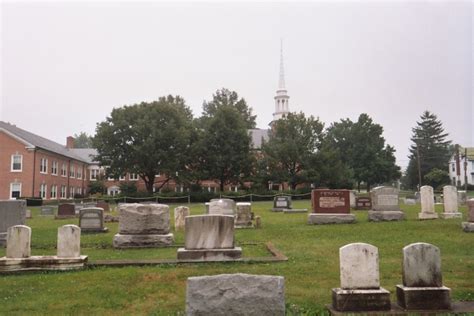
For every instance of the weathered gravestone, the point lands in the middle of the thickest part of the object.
(91, 220)
(427, 203)
(222, 207)
(19, 241)
(235, 294)
(352, 198)
(330, 207)
(410, 201)
(281, 203)
(243, 215)
(180, 214)
(69, 241)
(209, 238)
(462, 197)
(28, 214)
(12, 212)
(143, 226)
(360, 282)
(385, 205)
(363, 203)
(450, 202)
(47, 211)
(422, 281)
(67, 210)
(104, 205)
(468, 226)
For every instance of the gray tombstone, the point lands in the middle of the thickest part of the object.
(360, 289)
(104, 205)
(18, 242)
(47, 211)
(143, 226)
(91, 220)
(385, 205)
(450, 202)
(281, 203)
(243, 216)
(222, 206)
(422, 281)
(427, 203)
(209, 238)
(462, 197)
(12, 213)
(468, 226)
(235, 294)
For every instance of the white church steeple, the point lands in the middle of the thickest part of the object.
(281, 97)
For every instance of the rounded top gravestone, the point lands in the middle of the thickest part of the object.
(422, 265)
(359, 266)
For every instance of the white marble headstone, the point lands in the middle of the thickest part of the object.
(421, 265)
(180, 214)
(427, 199)
(209, 232)
(359, 266)
(18, 241)
(450, 197)
(69, 241)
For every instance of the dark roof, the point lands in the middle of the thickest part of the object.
(41, 142)
(86, 154)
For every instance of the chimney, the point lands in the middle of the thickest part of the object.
(70, 142)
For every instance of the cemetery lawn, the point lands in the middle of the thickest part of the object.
(311, 271)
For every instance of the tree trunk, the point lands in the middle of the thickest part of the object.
(221, 185)
(149, 182)
(358, 186)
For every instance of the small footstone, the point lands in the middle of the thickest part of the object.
(381, 216)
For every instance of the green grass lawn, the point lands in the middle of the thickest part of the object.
(311, 271)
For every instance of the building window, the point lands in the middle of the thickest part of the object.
(43, 165)
(113, 190)
(72, 171)
(43, 189)
(63, 192)
(15, 190)
(63, 170)
(17, 163)
(79, 173)
(79, 191)
(110, 178)
(133, 177)
(179, 188)
(453, 167)
(54, 168)
(72, 191)
(94, 173)
(122, 178)
(54, 191)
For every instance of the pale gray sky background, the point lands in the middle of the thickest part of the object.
(65, 65)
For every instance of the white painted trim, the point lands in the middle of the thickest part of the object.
(11, 163)
(11, 190)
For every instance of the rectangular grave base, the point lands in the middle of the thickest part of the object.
(451, 215)
(94, 230)
(385, 216)
(328, 218)
(361, 300)
(244, 225)
(142, 241)
(202, 255)
(38, 263)
(468, 227)
(424, 298)
(279, 209)
(295, 210)
(64, 216)
(425, 216)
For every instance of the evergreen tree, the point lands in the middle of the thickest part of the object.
(82, 140)
(430, 142)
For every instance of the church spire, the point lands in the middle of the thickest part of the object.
(281, 82)
(281, 97)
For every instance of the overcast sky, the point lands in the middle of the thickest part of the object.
(65, 65)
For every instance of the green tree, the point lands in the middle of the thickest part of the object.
(146, 139)
(430, 141)
(362, 148)
(437, 178)
(225, 97)
(82, 140)
(128, 188)
(291, 148)
(223, 152)
(97, 186)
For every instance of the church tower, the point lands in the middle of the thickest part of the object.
(281, 97)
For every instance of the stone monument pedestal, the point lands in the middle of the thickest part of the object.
(330, 218)
(230, 254)
(361, 300)
(425, 215)
(382, 216)
(424, 298)
(142, 241)
(468, 227)
(451, 215)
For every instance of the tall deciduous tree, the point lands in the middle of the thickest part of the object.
(291, 148)
(82, 140)
(430, 148)
(363, 149)
(225, 97)
(147, 139)
(224, 145)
